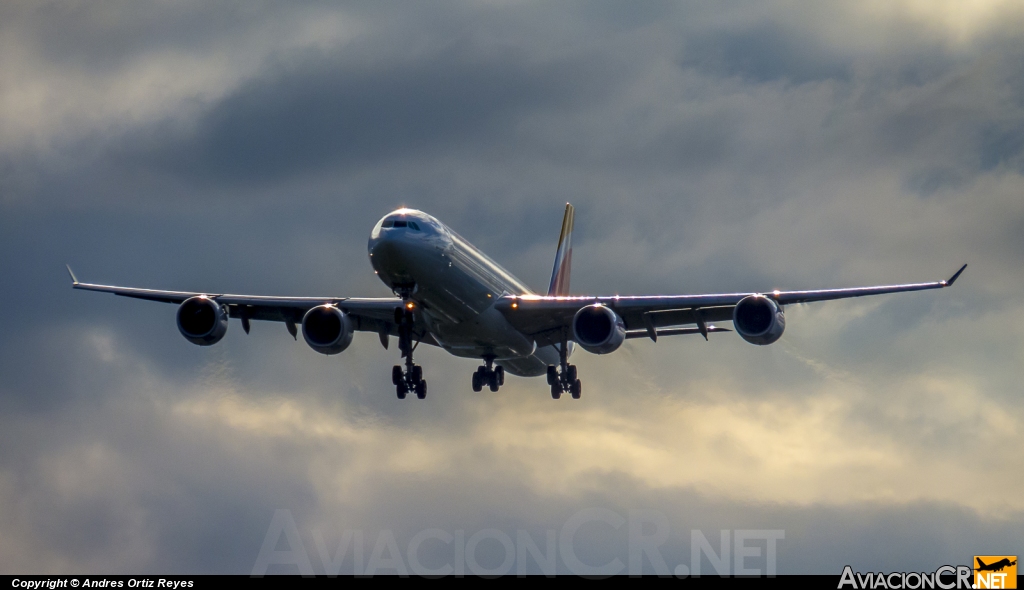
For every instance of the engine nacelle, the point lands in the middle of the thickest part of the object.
(758, 319)
(202, 320)
(598, 329)
(327, 329)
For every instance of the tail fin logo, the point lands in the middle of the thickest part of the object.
(563, 257)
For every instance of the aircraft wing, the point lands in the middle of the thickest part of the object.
(544, 318)
(368, 314)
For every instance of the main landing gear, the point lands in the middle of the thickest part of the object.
(492, 377)
(411, 379)
(564, 380)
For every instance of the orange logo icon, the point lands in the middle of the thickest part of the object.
(995, 571)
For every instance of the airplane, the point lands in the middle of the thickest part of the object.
(994, 567)
(449, 294)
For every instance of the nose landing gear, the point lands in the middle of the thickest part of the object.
(492, 377)
(410, 379)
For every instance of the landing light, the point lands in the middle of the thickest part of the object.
(515, 305)
(776, 292)
(410, 305)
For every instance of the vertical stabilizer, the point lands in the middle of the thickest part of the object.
(563, 257)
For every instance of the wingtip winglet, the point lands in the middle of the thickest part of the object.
(74, 279)
(952, 279)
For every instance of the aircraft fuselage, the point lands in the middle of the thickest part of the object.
(454, 287)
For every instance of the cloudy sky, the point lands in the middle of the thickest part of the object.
(250, 146)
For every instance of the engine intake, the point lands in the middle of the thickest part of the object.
(758, 319)
(598, 329)
(202, 320)
(327, 329)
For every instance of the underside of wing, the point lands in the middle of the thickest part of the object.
(365, 314)
(657, 332)
(545, 319)
(550, 319)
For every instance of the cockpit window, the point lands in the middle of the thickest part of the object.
(400, 223)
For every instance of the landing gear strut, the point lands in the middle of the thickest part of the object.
(410, 379)
(564, 380)
(492, 377)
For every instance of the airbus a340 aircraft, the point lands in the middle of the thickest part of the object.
(449, 294)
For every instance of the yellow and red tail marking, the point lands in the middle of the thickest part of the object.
(563, 257)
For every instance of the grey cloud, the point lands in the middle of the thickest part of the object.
(105, 37)
(767, 51)
(133, 476)
(318, 110)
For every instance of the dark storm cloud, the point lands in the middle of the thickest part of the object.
(93, 492)
(765, 52)
(314, 111)
(106, 37)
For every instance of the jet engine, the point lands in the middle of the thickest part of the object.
(758, 319)
(202, 320)
(598, 329)
(327, 329)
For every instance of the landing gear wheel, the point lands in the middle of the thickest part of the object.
(410, 377)
(488, 375)
(562, 377)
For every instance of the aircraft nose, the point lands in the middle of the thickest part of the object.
(393, 252)
(384, 251)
